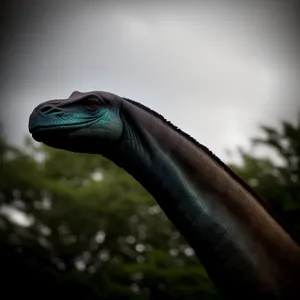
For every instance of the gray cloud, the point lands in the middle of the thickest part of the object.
(215, 69)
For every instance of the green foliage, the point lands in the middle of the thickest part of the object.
(89, 231)
(277, 181)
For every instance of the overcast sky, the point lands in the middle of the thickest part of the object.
(216, 69)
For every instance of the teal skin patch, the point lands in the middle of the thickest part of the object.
(70, 120)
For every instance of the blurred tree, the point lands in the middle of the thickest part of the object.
(277, 180)
(77, 225)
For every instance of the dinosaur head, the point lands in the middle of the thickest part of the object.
(85, 122)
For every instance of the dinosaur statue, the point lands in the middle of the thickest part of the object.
(245, 251)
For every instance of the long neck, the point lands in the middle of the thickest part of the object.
(245, 252)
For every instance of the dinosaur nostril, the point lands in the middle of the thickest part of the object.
(49, 108)
(45, 109)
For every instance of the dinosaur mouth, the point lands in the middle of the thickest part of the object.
(33, 127)
(36, 126)
(42, 133)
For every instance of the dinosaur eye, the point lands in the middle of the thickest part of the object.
(91, 103)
